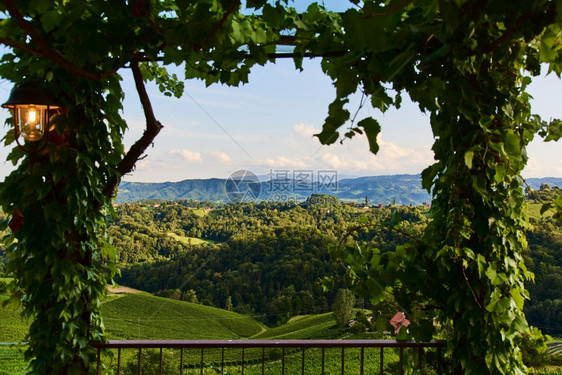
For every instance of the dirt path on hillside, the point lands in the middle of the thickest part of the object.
(122, 289)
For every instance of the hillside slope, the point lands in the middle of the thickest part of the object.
(162, 318)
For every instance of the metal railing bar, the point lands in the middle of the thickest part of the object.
(262, 361)
(323, 352)
(264, 344)
(439, 357)
(99, 361)
(181, 361)
(139, 370)
(342, 361)
(381, 364)
(118, 361)
(362, 361)
(400, 360)
(291, 345)
(283, 362)
(243, 361)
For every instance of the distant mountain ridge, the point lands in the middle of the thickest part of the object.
(401, 189)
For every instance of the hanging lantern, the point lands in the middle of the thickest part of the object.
(30, 105)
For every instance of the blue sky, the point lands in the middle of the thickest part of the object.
(268, 126)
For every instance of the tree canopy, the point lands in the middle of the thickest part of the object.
(466, 63)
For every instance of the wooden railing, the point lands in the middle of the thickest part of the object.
(287, 348)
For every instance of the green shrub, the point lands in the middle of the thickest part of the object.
(358, 327)
(343, 307)
(534, 349)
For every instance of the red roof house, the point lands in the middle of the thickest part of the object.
(398, 321)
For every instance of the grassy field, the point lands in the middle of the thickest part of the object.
(143, 316)
(534, 211)
(140, 316)
(11, 360)
(199, 212)
(187, 240)
(13, 327)
(307, 327)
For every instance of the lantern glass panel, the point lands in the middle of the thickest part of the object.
(31, 121)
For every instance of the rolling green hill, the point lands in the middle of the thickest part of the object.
(127, 315)
(401, 189)
(163, 318)
(321, 326)
(157, 318)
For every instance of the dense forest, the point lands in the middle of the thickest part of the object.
(268, 259)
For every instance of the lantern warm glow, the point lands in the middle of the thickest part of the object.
(30, 105)
(31, 121)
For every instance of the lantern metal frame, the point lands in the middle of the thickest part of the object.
(31, 105)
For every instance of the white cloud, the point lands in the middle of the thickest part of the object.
(333, 161)
(354, 157)
(392, 150)
(304, 130)
(141, 164)
(191, 156)
(359, 165)
(541, 167)
(346, 163)
(284, 162)
(544, 159)
(220, 156)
